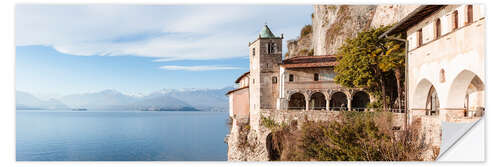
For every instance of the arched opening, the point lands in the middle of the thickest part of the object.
(420, 94)
(297, 102)
(338, 101)
(474, 101)
(467, 92)
(318, 101)
(360, 100)
(432, 102)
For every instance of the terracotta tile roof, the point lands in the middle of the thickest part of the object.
(241, 77)
(234, 90)
(310, 61)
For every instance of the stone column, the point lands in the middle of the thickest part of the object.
(327, 104)
(307, 95)
(307, 103)
(349, 99)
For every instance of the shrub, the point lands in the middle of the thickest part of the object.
(268, 123)
(307, 29)
(356, 136)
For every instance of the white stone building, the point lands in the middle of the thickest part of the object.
(446, 55)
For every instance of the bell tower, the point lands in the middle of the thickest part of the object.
(265, 56)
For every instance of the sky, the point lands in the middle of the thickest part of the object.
(139, 49)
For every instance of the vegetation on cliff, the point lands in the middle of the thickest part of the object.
(307, 29)
(355, 136)
(373, 63)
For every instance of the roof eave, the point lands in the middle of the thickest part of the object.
(401, 24)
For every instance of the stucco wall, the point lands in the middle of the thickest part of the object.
(241, 104)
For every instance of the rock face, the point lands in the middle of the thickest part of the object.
(390, 14)
(300, 47)
(332, 24)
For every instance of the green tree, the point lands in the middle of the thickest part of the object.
(368, 62)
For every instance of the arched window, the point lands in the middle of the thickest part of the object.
(419, 38)
(438, 28)
(470, 14)
(455, 20)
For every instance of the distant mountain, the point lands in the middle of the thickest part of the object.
(103, 100)
(165, 99)
(26, 101)
(156, 101)
(203, 99)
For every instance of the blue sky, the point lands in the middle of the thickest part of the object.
(138, 49)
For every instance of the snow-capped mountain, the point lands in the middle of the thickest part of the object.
(165, 99)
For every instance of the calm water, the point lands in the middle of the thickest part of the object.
(120, 136)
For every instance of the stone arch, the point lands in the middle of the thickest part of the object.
(338, 101)
(467, 92)
(360, 100)
(421, 93)
(297, 101)
(317, 101)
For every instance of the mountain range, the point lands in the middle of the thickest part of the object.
(165, 99)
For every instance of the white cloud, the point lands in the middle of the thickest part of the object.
(163, 32)
(199, 68)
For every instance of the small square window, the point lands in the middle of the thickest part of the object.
(275, 80)
(316, 76)
(290, 78)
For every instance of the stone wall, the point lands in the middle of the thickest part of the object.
(247, 142)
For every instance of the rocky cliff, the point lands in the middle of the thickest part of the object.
(332, 24)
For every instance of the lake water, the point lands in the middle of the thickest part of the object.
(120, 136)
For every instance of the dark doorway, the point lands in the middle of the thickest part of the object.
(297, 102)
(360, 100)
(318, 101)
(338, 101)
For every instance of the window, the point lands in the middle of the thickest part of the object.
(455, 20)
(275, 80)
(253, 51)
(290, 78)
(470, 14)
(272, 48)
(438, 28)
(442, 78)
(316, 76)
(419, 38)
(253, 80)
(268, 48)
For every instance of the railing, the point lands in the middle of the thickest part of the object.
(467, 113)
(360, 109)
(474, 113)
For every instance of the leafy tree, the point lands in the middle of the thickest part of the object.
(369, 62)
